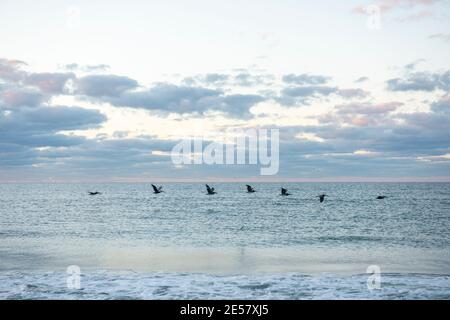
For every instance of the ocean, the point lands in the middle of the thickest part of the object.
(129, 243)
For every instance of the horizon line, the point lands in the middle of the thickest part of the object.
(235, 180)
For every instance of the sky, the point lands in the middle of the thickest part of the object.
(101, 91)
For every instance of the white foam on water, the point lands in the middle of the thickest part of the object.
(132, 285)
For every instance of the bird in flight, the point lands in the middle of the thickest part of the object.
(322, 197)
(157, 189)
(210, 190)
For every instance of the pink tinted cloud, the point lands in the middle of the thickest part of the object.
(360, 114)
(368, 109)
(21, 97)
(10, 70)
(49, 82)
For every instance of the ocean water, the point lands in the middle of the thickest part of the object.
(183, 244)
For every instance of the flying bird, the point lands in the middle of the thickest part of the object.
(381, 197)
(284, 192)
(94, 193)
(210, 190)
(250, 189)
(322, 197)
(157, 189)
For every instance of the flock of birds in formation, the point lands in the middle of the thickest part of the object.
(250, 189)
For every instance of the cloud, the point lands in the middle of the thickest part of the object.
(441, 36)
(14, 97)
(307, 91)
(355, 137)
(292, 96)
(442, 106)
(246, 79)
(360, 114)
(353, 93)
(305, 79)
(443, 157)
(40, 126)
(10, 70)
(367, 108)
(165, 97)
(420, 81)
(104, 85)
(86, 68)
(46, 82)
(50, 119)
(27, 121)
(53, 83)
(242, 78)
(362, 79)
(411, 66)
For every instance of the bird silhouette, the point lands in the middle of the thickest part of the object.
(210, 190)
(322, 197)
(157, 189)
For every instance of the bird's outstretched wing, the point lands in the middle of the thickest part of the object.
(249, 188)
(160, 189)
(155, 189)
(210, 190)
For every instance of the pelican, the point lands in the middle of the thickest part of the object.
(210, 190)
(381, 197)
(284, 192)
(94, 193)
(250, 189)
(322, 197)
(157, 189)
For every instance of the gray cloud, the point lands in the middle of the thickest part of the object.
(362, 79)
(217, 79)
(104, 85)
(13, 96)
(395, 140)
(360, 114)
(353, 93)
(305, 79)
(441, 36)
(420, 81)
(186, 100)
(49, 82)
(242, 78)
(86, 68)
(39, 125)
(307, 91)
(10, 70)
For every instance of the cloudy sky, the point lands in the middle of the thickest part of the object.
(103, 90)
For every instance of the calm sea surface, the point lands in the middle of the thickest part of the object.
(131, 243)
